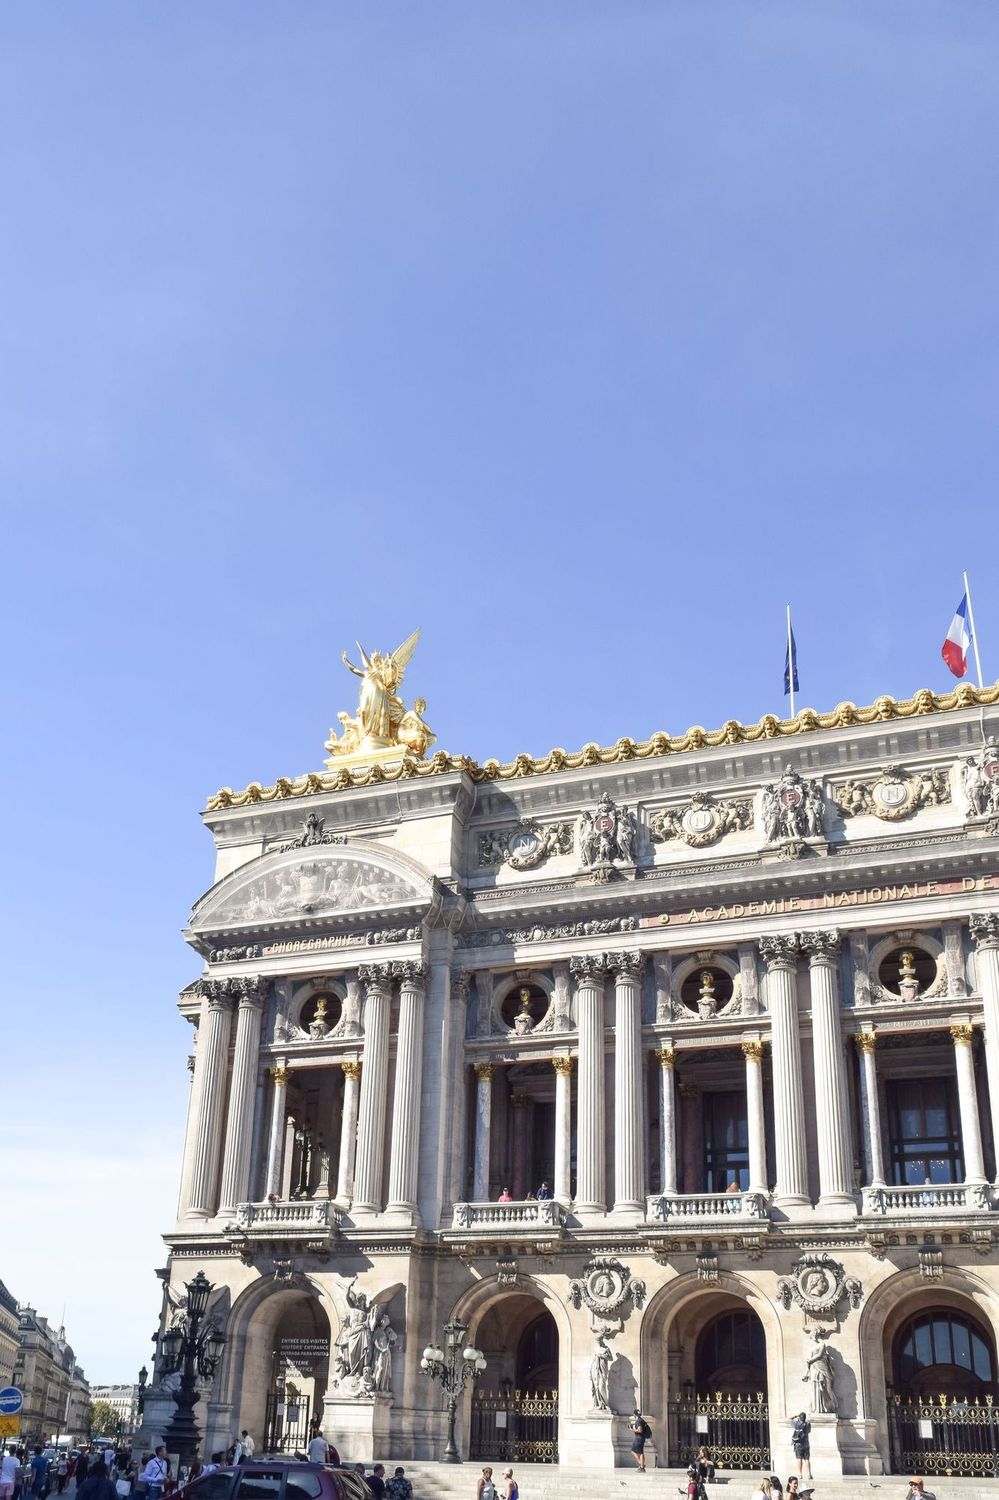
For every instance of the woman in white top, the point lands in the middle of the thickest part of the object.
(763, 1489)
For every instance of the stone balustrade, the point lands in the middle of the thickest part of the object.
(936, 1199)
(530, 1214)
(704, 1207)
(265, 1218)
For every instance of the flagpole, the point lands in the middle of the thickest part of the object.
(790, 659)
(974, 632)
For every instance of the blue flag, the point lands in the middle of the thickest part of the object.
(791, 666)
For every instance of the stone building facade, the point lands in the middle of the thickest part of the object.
(55, 1389)
(124, 1402)
(733, 1000)
(9, 1325)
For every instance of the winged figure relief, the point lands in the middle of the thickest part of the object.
(382, 719)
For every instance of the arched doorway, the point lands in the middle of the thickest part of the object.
(285, 1367)
(515, 1410)
(717, 1359)
(941, 1404)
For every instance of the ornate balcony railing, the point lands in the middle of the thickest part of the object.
(508, 1217)
(667, 1208)
(307, 1215)
(935, 1198)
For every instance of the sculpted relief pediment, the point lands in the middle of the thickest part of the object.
(303, 883)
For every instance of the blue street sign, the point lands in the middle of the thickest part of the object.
(11, 1401)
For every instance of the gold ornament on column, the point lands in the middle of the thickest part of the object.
(351, 1070)
(665, 1057)
(753, 1051)
(280, 1075)
(866, 1041)
(961, 1035)
(563, 1066)
(483, 1070)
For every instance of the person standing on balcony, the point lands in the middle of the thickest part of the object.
(505, 1196)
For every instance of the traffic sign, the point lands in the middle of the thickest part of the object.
(11, 1401)
(10, 1427)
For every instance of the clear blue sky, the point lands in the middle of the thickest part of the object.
(580, 334)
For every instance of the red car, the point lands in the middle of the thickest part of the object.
(277, 1479)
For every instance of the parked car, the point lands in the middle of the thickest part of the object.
(277, 1479)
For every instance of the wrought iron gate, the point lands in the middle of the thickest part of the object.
(287, 1426)
(735, 1428)
(946, 1435)
(515, 1425)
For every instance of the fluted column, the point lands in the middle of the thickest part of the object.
(666, 1058)
(831, 1106)
(404, 1156)
(211, 1060)
(985, 933)
(870, 1109)
(348, 1131)
(755, 1127)
(967, 1098)
(483, 1123)
(780, 955)
(369, 1170)
(629, 1105)
(276, 1136)
(591, 1174)
(562, 1186)
(519, 1106)
(242, 1092)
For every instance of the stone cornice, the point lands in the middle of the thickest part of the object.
(807, 721)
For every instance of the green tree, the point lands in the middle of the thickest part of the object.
(103, 1419)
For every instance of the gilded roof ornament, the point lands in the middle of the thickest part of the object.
(383, 726)
(352, 768)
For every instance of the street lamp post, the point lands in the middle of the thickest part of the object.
(194, 1351)
(453, 1367)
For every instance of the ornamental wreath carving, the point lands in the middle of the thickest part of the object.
(525, 846)
(894, 794)
(605, 1287)
(793, 809)
(606, 836)
(818, 1285)
(702, 821)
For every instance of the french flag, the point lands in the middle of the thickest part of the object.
(955, 647)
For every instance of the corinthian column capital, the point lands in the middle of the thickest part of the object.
(821, 947)
(985, 930)
(221, 994)
(589, 968)
(412, 972)
(377, 977)
(629, 965)
(780, 952)
(252, 990)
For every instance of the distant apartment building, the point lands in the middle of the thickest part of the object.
(124, 1401)
(56, 1394)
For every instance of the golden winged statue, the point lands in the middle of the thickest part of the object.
(382, 721)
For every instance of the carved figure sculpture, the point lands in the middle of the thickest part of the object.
(818, 1373)
(793, 809)
(383, 1340)
(606, 836)
(603, 1358)
(351, 1349)
(980, 779)
(382, 719)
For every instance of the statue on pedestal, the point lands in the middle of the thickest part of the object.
(382, 721)
(818, 1372)
(603, 1358)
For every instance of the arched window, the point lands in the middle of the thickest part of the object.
(732, 1354)
(943, 1350)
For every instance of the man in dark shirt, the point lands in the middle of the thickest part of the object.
(376, 1481)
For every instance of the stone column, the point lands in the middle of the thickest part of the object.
(483, 1121)
(348, 1132)
(985, 932)
(666, 1058)
(967, 1098)
(184, 1196)
(242, 1093)
(591, 1145)
(275, 1144)
(404, 1157)
(691, 1133)
(562, 1186)
(832, 1111)
(755, 1125)
(369, 1170)
(870, 1107)
(629, 1105)
(211, 1060)
(780, 955)
(519, 1105)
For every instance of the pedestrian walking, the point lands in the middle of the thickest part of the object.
(485, 1489)
(39, 1467)
(376, 1481)
(154, 1475)
(398, 1487)
(640, 1434)
(9, 1467)
(511, 1490)
(98, 1485)
(82, 1468)
(800, 1428)
(62, 1473)
(705, 1464)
